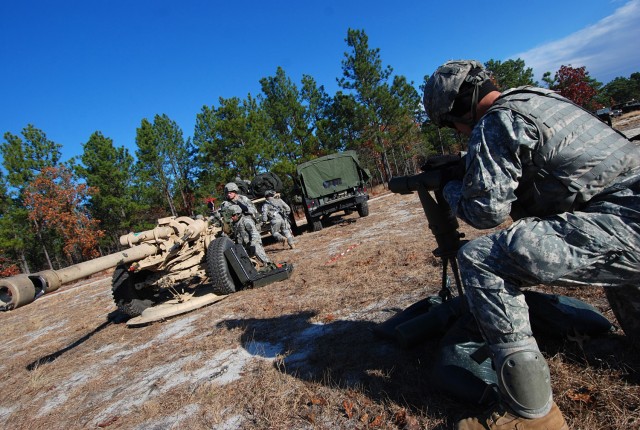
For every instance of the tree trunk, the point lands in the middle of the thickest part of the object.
(385, 166)
(381, 176)
(172, 208)
(44, 248)
(395, 161)
(24, 263)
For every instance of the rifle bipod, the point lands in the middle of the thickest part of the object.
(442, 222)
(445, 291)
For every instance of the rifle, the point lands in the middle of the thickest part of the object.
(442, 221)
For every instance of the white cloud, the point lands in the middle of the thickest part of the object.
(607, 49)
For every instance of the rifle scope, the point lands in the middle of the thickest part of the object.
(406, 184)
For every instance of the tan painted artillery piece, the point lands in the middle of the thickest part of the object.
(180, 265)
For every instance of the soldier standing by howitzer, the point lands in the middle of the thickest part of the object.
(571, 184)
(246, 233)
(233, 197)
(276, 212)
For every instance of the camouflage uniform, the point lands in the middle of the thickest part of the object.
(572, 184)
(244, 202)
(247, 234)
(276, 212)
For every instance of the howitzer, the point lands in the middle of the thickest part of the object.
(180, 265)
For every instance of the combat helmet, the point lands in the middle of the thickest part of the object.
(233, 210)
(455, 89)
(231, 187)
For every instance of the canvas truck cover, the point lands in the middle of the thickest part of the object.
(331, 174)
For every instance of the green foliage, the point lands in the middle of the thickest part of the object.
(318, 115)
(4, 196)
(163, 173)
(17, 238)
(621, 90)
(108, 171)
(282, 103)
(232, 140)
(386, 113)
(25, 157)
(510, 73)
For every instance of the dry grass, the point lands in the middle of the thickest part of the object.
(299, 354)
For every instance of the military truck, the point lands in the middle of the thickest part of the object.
(332, 183)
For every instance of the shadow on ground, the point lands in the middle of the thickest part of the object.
(348, 355)
(115, 317)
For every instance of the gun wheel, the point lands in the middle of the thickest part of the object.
(223, 280)
(127, 298)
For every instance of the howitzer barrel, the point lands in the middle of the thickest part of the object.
(184, 228)
(156, 234)
(20, 290)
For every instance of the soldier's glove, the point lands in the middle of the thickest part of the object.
(245, 208)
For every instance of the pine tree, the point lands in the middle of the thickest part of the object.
(387, 112)
(108, 171)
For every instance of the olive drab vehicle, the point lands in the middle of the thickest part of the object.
(180, 265)
(330, 184)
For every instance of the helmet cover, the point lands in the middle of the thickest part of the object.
(233, 210)
(443, 87)
(231, 187)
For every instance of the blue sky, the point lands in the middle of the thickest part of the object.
(71, 68)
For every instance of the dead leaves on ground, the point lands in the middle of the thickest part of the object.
(586, 395)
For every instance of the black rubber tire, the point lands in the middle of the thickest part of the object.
(223, 280)
(363, 209)
(625, 304)
(295, 230)
(316, 224)
(127, 298)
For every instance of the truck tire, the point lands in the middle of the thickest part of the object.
(223, 280)
(295, 230)
(127, 298)
(316, 224)
(363, 209)
(625, 304)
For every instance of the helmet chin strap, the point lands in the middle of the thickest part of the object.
(477, 82)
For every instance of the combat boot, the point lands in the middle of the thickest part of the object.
(502, 419)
